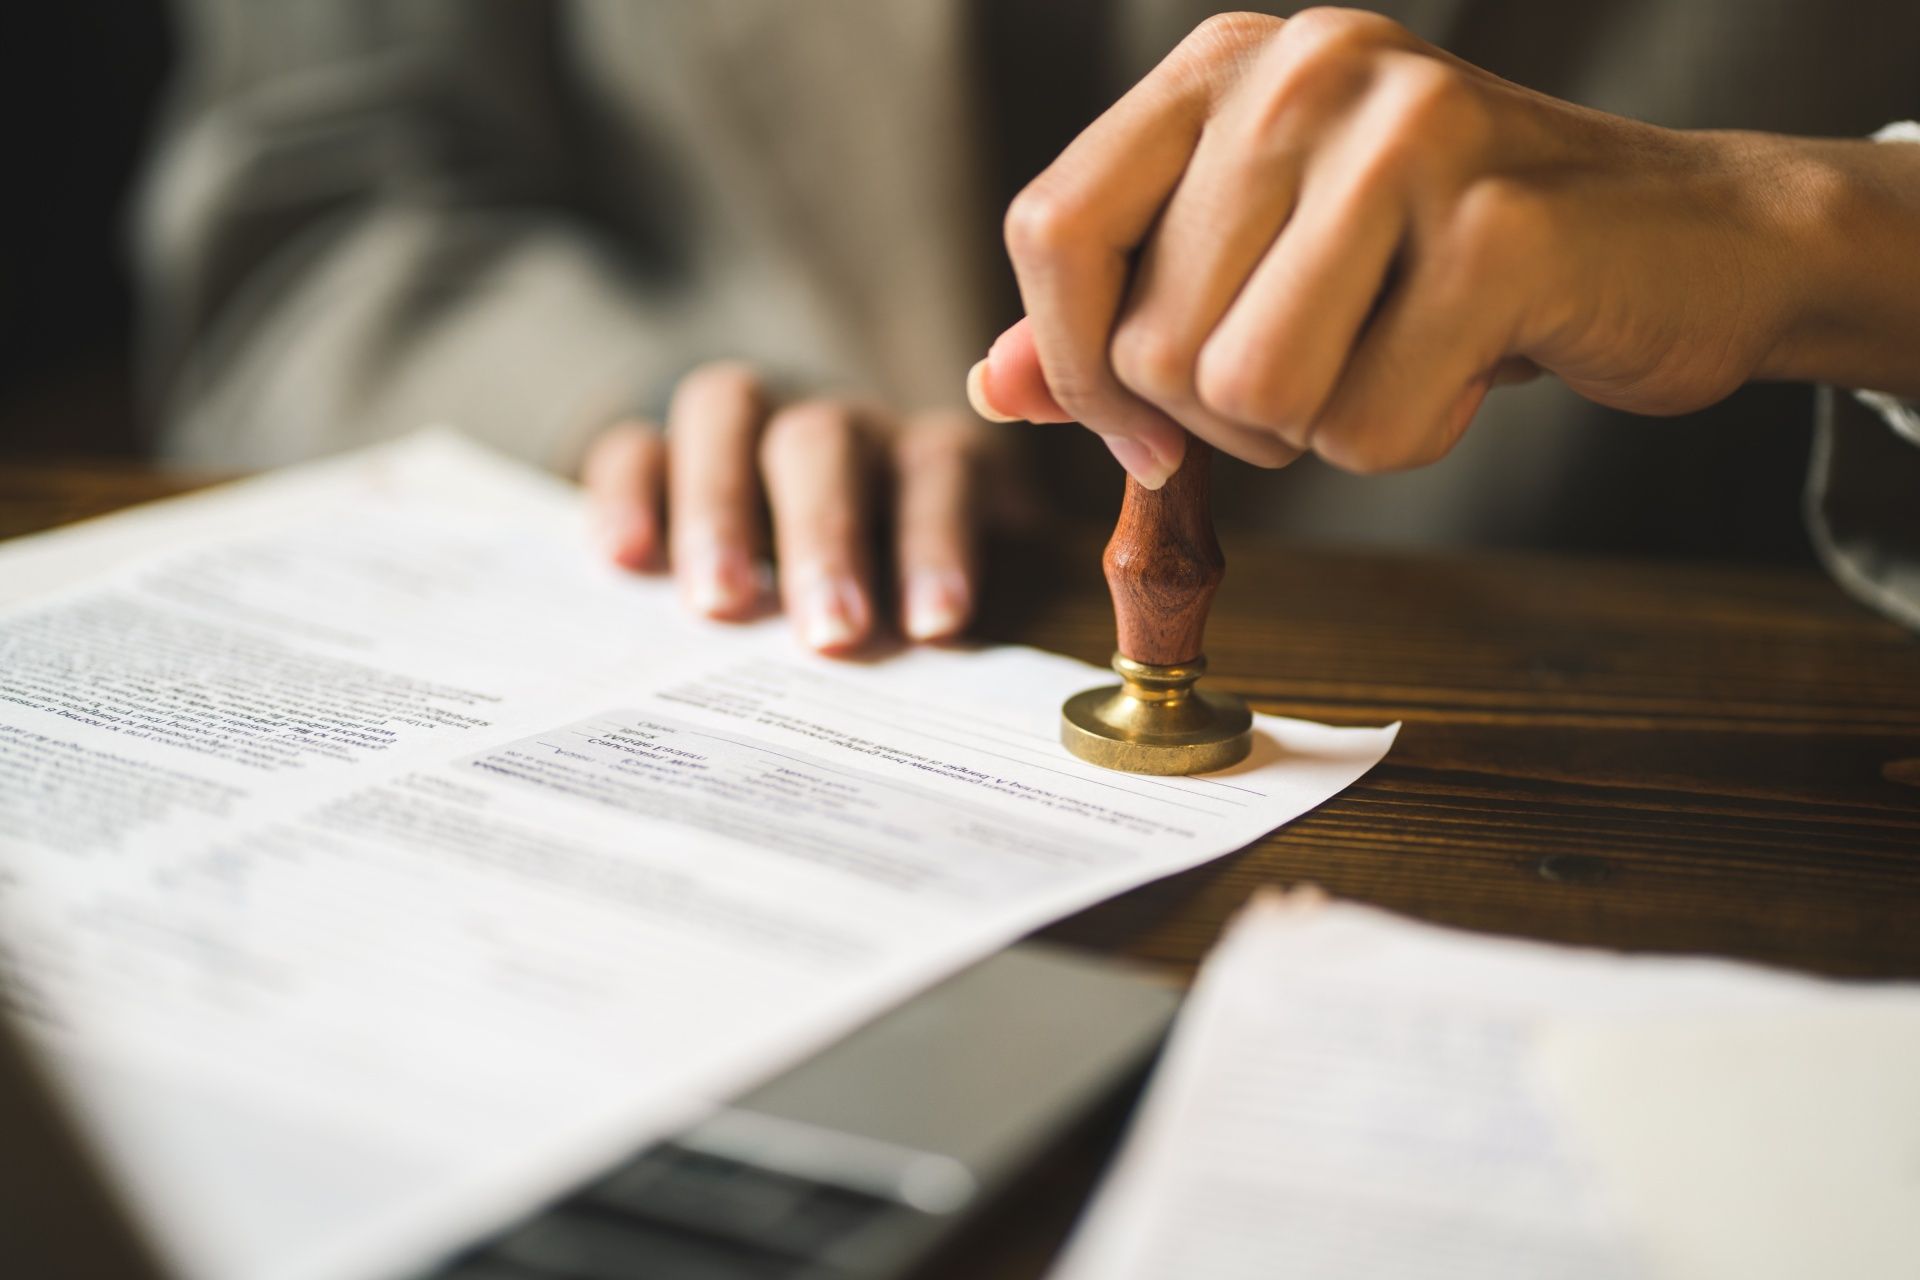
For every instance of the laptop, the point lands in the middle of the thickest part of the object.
(857, 1164)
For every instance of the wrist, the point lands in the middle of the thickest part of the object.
(1841, 227)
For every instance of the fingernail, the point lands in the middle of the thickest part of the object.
(1139, 460)
(977, 395)
(936, 604)
(833, 613)
(716, 581)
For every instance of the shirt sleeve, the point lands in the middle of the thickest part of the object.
(358, 220)
(1863, 489)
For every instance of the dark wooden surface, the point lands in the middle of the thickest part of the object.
(36, 495)
(1631, 755)
(1163, 565)
(1648, 757)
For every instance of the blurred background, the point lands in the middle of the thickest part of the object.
(78, 83)
(82, 80)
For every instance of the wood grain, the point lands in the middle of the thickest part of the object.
(1163, 564)
(1633, 755)
(41, 495)
(1641, 756)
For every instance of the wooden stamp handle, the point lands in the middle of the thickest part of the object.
(1163, 564)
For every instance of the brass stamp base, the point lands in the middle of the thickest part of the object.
(1155, 721)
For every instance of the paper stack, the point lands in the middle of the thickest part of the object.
(1350, 1094)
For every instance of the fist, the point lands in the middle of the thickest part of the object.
(1323, 235)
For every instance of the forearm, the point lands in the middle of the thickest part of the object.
(1846, 217)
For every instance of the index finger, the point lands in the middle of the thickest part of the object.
(1071, 234)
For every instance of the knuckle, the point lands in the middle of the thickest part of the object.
(1431, 101)
(1041, 222)
(811, 427)
(1298, 91)
(1324, 57)
(1499, 223)
(1325, 30)
(730, 379)
(1077, 394)
(1233, 384)
(1261, 447)
(1376, 450)
(1229, 389)
(1151, 362)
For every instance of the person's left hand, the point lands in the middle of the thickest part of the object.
(830, 476)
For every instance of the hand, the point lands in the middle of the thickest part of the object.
(1323, 235)
(696, 493)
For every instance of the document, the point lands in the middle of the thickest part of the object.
(375, 863)
(1753, 1146)
(1349, 1094)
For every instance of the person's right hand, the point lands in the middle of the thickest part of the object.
(1321, 234)
(825, 471)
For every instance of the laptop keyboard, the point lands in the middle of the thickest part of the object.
(673, 1213)
(821, 1174)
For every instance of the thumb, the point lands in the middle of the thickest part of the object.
(1008, 386)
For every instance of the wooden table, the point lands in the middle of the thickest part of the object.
(1630, 755)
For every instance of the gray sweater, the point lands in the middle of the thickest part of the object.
(525, 218)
